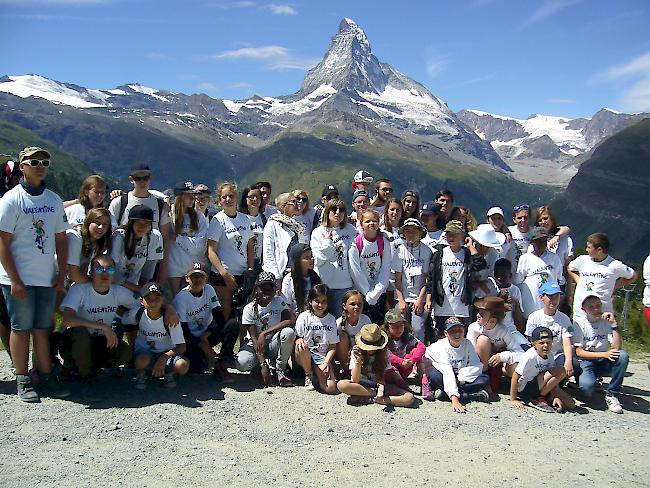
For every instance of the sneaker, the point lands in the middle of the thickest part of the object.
(283, 380)
(114, 372)
(51, 386)
(221, 372)
(427, 394)
(141, 380)
(438, 394)
(613, 404)
(357, 401)
(479, 396)
(36, 377)
(25, 389)
(308, 384)
(170, 380)
(541, 405)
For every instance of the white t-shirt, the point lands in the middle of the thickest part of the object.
(504, 341)
(519, 240)
(413, 263)
(559, 324)
(485, 276)
(331, 255)
(264, 317)
(352, 330)
(453, 284)
(599, 278)
(231, 236)
(196, 311)
(97, 307)
(591, 336)
(152, 334)
(530, 365)
(646, 280)
(515, 293)
(151, 201)
(77, 214)
(307, 219)
(370, 369)
(433, 238)
(370, 269)
(319, 333)
(532, 272)
(289, 293)
(33, 221)
(189, 246)
(257, 233)
(457, 364)
(148, 250)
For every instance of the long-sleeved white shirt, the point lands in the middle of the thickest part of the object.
(370, 270)
(331, 255)
(457, 364)
(506, 342)
(277, 238)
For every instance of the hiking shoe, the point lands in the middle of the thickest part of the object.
(427, 394)
(613, 404)
(541, 405)
(283, 380)
(309, 386)
(25, 389)
(51, 386)
(170, 380)
(221, 372)
(141, 380)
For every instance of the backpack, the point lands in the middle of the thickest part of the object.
(140, 312)
(380, 244)
(124, 200)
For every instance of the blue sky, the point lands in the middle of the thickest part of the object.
(557, 57)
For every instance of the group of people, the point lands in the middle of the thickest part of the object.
(383, 300)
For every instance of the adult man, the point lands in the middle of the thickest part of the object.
(33, 246)
(266, 190)
(445, 198)
(384, 192)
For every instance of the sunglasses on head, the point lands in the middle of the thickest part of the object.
(140, 178)
(517, 208)
(37, 162)
(105, 269)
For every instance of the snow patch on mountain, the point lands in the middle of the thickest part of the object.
(26, 86)
(145, 90)
(278, 106)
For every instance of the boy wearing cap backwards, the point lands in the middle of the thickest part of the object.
(93, 336)
(362, 181)
(449, 278)
(536, 376)
(457, 369)
(411, 264)
(536, 267)
(557, 322)
(158, 347)
(202, 202)
(596, 354)
(360, 202)
(598, 272)
(32, 243)
(330, 192)
(429, 216)
(204, 325)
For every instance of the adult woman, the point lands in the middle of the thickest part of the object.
(559, 241)
(392, 219)
(229, 247)
(91, 195)
(250, 204)
(411, 203)
(189, 238)
(93, 238)
(305, 214)
(281, 232)
(330, 244)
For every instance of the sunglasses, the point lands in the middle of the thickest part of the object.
(337, 210)
(387, 190)
(37, 162)
(517, 208)
(301, 199)
(140, 178)
(110, 270)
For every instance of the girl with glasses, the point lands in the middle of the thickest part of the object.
(94, 238)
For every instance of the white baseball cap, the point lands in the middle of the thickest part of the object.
(495, 211)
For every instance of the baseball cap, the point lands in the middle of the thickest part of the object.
(540, 333)
(430, 208)
(197, 267)
(410, 193)
(393, 315)
(139, 168)
(363, 177)
(537, 233)
(296, 251)
(265, 277)
(329, 189)
(495, 211)
(452, 322)
(549, 288)
(28, 152)
(184, 187)
(149, 288)
(141, 212)
(360, 193)
(201, 188)
(454, 227)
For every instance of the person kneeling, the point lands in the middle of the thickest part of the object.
(158, 346)
(368, 365)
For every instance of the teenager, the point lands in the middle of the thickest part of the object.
(93, 238)
(203, 202)
(559, 241)
(510, 294)
(521, 216)
(411, 203)
(301, 278)
(360, 202)
(392, 219)
(429, 216)
(383, 191)
(33, 247)
(250, 204)
(266, 190)
(330, 244)
(445, 198)
(91, 195)
(362, 181)
(464, 215)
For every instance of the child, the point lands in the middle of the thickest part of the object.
(487, 242)
(457, 369)
(405, 351)
(270, 332)
(370, 261)
(360, 202)
(316, 341)
(204, 325)
(557, 322)
(368, 364)
(411, 264)
(92, 238)
(511, 295)
(597, 355)
(362, 181)
(493, 341)
(302, 277)
(158, 346)
(349, 324)
(537, 377)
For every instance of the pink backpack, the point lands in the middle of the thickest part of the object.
(380, 243)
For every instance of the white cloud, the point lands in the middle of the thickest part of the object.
(560, 101)
(548, 8)
(435, 67)
(634, 76)
(241, 84)
(206, 86)
(275, 58)
(282, 9)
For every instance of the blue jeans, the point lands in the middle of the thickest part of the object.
(480, 383)
(592, 368)
(35, 312)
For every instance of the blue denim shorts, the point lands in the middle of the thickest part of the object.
(153, 357)
(35, 312)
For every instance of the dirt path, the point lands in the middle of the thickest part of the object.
(201, 435)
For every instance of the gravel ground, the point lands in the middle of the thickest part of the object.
(202, 434)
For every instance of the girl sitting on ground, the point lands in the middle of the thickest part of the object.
(349, 324)
(369, 364)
